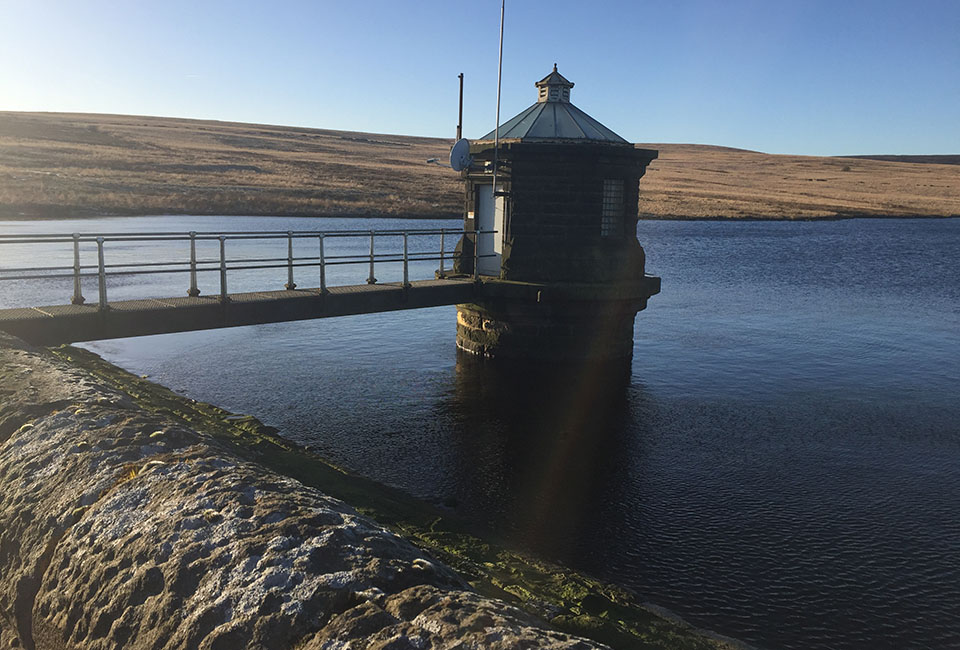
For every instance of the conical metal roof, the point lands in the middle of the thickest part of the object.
(553, 117)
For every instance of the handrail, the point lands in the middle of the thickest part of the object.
(214, 235)
(222, 263)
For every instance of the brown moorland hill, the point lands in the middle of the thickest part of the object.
(704, 181)
(56, 165)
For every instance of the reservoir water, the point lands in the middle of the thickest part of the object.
(780, 467)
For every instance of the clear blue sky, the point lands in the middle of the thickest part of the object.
(787, 76)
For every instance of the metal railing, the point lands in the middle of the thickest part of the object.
(192, 265)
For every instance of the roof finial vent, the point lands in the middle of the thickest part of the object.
(554, 88)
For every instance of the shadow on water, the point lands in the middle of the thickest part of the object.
(537, 448)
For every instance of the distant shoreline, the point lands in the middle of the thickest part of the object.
(846, 217)
(23, 217)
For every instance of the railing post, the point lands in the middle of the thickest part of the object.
(406, 262)
(371, 279)
(77, 290)
(290, 285)
(442, 273)
(223, 268)
(323, 269)
(476, 254)
(193, 291)
(101, 275)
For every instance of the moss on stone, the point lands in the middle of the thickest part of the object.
(571, 601)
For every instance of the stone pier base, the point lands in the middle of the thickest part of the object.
(555, 331)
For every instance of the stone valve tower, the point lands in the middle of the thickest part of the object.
(554, 245)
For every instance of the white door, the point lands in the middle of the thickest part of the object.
(489, 218)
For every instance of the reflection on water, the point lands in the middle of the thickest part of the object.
(732, 511)
(546, 439)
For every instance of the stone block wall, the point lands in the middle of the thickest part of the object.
(554, 207)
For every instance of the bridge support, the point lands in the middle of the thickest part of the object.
(553, 322)
(553, 332)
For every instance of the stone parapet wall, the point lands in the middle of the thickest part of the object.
(122, 528)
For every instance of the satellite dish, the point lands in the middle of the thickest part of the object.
(460, 157)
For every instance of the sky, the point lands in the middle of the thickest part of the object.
(781, 76)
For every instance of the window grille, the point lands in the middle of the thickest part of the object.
(611, 217)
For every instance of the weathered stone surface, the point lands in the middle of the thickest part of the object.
(51, 467)
(426, 617)
(234, 554)
(29, 388)
(122, 529)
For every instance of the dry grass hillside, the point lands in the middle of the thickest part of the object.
(704, 181)
(55, 165)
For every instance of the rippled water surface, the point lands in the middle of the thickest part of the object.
(781, 467)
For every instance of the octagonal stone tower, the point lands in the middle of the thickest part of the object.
(562, 277)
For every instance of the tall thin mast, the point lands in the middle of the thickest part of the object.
(460, 114)
(496, 130)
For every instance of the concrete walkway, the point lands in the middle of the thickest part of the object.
(58, 324)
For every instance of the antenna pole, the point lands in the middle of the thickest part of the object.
(460, 116)
(496, 130)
